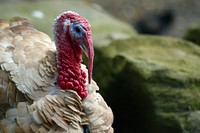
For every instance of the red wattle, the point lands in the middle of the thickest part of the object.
(83, 93)
(71, 77)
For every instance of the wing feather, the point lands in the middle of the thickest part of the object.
(28, 55)
(27, 73)
(97, 111)
(51, 113)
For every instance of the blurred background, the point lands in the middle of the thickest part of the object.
(147, 57)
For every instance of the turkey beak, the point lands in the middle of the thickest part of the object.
(87, 48)
(84, 49)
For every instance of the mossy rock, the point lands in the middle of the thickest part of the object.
(193, 33)
(42, 14)
(152, 83)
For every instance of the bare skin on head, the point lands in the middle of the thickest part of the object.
(72, 35)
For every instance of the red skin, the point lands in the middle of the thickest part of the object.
(69, 55)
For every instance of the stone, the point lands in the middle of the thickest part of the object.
(151, 83)
(184, 13)
(193, 33)
(105, 28)
(194, 120)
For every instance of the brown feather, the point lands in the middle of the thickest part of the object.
(29, 97)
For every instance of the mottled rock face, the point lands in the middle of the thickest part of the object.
(105, 28)
(184, 13)
(192, 34)
(151, 83)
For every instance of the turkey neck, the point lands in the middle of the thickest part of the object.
(70, 74)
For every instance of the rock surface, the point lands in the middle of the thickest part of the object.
(185, 12)
(193, 33)
(152, 83)
(42, 14)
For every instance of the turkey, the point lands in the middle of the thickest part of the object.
(43, 85)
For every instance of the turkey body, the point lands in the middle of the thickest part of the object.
(31, 99)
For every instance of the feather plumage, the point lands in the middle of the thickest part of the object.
(29, 96)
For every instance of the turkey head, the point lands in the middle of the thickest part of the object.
(72, 35)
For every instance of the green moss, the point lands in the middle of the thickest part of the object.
(105, 27)
(169, 123)
(193, 33)
(170, 56)
(158, 73)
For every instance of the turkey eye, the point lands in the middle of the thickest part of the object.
(77, 29)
